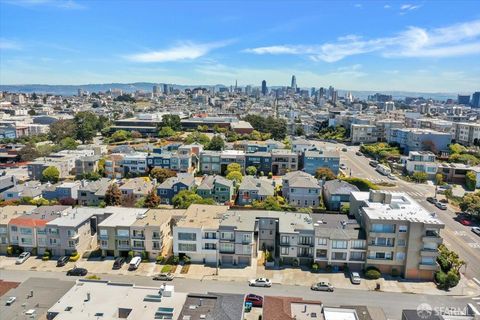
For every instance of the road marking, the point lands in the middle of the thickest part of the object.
(460, 233)
(476, 298)
(474, 245)
(476, 281)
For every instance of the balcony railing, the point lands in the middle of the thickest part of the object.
(138, 236)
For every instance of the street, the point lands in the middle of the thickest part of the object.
(392, 303)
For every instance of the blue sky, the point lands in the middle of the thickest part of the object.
(430, 46)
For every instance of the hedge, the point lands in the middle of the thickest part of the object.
(372, 274)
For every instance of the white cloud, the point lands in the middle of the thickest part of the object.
(183, 51)
(387, 6)
(62, 4)
(454, 40)
(409, 7)
(6, 44)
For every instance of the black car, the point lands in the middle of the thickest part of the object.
(118, 263)
(62, 261)
(77, 272)
(432, 200)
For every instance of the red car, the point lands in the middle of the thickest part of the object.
(465, 222)
(257, 301)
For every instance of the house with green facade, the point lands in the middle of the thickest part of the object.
(217, 188)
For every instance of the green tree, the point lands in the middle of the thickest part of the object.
(471, 203)
(325, 173)
(216, 144)
(166, 132)
(162, 174)
(234, 167)
(299, 131)
(235, 176)
(152, 200)
(419, 177)
(62, 129)
(67, 144)
(113, 195)
(471, 180)
(187, 197)
(120, 135)
(457, 148)
(28, 152)
(251, 170)
(438, 179)
(270, 203)
(172, 121)
(197, 137)
(361, 184)
(86, 124)
(50, 174)
(32, 112)
(101, 166)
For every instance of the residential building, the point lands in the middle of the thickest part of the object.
(231, 156)
(421, 161)
(7, 181)
(336, 193)
(36, 167)
(385, 125)
(135, 163)
(241, 127)
(453, 172)
(300, 145)
(196, 233)
(92, 193)
(412, 139)
(254, 189)
(172, 186)
(87, 164)
(30, 189)
(260, 160)
(218, 188)
(288, 308)
(466, 133)
(137, 188)
(62, 191)
(312, 160)
(114, 166)
(213, 306)
(6, 214)
(363, 133)
(210, 162)
(402, 236)
(284, 161)
(301, 189)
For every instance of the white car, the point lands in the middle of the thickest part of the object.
(31, 312)
(260, 282)
(343, 166)
(391, 177)
(355, 278)
(476, 230)
(10, 300)
(22, 257)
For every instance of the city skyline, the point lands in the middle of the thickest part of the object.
(408, 48)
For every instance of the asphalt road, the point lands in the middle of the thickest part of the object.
(457, 237)
(392, 303)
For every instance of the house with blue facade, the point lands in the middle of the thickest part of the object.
(217, 188)
(172, 186)
(414, 139)
(314, 159)
(260, 160)
(252, 189)
(61, 191)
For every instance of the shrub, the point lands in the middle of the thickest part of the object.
(144, 256)
(167, 268)
(46, 255)
(270, 175)
(74, 258)
(131, 254)
(372, 274)
(315, 267)
(295, 263)
(93, 277)
(268, 256)
(160, 259)
(9, 250)
(187, 260)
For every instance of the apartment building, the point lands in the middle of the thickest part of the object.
(218, 188)
(135, 163)
(254, 189)
(210, 162)
(288, 236)
(151, 232)
(114, 166)
(363, 133)
(114, 232)
(466, 133)
(91, 193)
(284, 161)
(6, 214)
(312, 160)
(136, 188)
(36, 167)
(401, 235)
(260, 160)
(73, 231)
(29, 230)
(231, 156)
(413, 139)
(87, 164)
(339, 241)
(301, 189)
(196, 233)
(385, 125)
(421, 161)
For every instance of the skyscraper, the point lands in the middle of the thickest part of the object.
(264, 88)
(294, 83)
(476, 100)
(463, 99)
(156, 91)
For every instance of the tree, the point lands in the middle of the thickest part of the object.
(32, 112)
(438, 179)
(166, 132)
(87, 124)
(471, 180)
(172, 121)
(161, 174)
(471, 203)
(152, 200)
(28, 152)
(187, 197)
(216, 144)
(361, 184)
(251, 170)
(113, 195)
(120, 135)
(235, 176)
(67, 144)
(419, 177)
(125, 98)
(136, 134)
(299, 131)
(270, 203)
(234, 167)
(62, 129)
(51, 174)
(457, 148)
(197, 137)
(325, 173)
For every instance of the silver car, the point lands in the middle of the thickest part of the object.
(355, 278)
(22, 257)
(476, 230)
(260, 282)
(322, 286)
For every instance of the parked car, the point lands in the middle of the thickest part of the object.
(358, 153)
(476, 230)
(355, 278)
(22, 257)
(31, 312)
(134, 263)
(117, 264)
(10, 300)
(432, 200)
(392, 177)
(255, 300)
(343, 166)
(260, 282)
(164, 277)
(373, 163)
(440, 205)
(62, 261)
(322, 286)
(442, 189)
(77, 272)
(344, 149)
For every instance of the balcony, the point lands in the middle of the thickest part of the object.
(428, 266)
(227, 251)
(124, 237)
(103, 236)
(432, 237)
(284, 244)
(123, 246)
(429, 252)
(138, 236)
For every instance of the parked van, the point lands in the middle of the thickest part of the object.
(383, 169)
(134, 263)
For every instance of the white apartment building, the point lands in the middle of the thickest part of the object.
(363, 133)
(466, 133)
(421, 161)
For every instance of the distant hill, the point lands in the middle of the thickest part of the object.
(147, 86)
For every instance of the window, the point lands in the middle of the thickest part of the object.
(227, 235)
(13, 228)
(284, 250)
(246, 249)
(427, 260)
(104, 243)
(339, 256)
(322, 241)
(156, 235)
(227, 247)
(401, 256)
(187, 247)
(402, 229)
(71, 243)
(123, 243)
(357, 256)
(339, 244)
(384, 228)
(103, 233)
(187, 236)
(210, 246)
(155, 245)
(358, 244)
(321, 254)
(401, 242)
(27, 241)
(284, 240)
(246, 238)
(123, 233)
(26, 231)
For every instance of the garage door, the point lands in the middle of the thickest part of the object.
(227, 260)
(244, 261)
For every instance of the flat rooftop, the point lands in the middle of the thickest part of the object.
(123, 217)
(9, 212)
(157, 217)
(200, 215)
